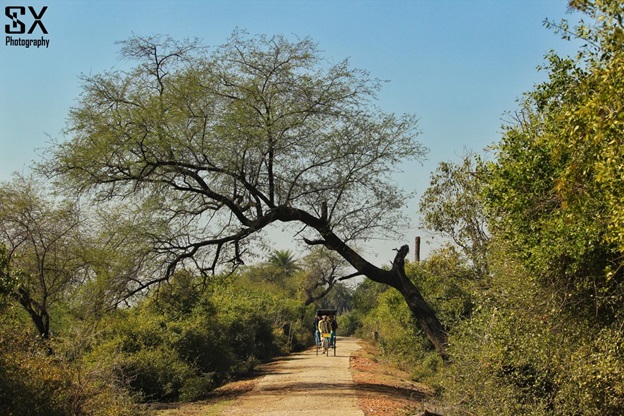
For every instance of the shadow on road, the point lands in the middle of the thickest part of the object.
(391, 392)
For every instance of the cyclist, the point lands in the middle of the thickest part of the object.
(324, 327)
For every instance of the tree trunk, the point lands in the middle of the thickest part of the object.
(42, 322)
(426, 317)
(422, 312)
(38, 314)
(396, 277)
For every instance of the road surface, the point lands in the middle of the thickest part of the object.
(304, 385)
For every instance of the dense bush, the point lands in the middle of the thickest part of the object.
(42, 379)
(177, 344)
(546, 338)
(349, 322)
(188, 340)
(523, 352)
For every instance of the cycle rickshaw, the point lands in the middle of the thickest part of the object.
(326, 339)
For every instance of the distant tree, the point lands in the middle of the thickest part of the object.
(322, 270)
(40, 236)
(118, 257)
(222, 144)
(284, 262)
(340, 297)
(454, 206)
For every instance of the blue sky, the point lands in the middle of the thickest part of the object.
(459, 65)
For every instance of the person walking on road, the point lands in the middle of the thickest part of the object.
(317, 336)
(334, 327)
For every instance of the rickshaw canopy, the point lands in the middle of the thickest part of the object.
(321, 312)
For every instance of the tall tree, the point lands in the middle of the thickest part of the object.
(258, 131)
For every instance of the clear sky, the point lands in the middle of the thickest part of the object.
(459, 65)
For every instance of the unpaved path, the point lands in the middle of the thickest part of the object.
(304, 385)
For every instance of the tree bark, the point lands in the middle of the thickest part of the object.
(42, 322)
(38, 314)
(426, 317)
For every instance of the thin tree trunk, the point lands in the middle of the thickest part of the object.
(38, 314)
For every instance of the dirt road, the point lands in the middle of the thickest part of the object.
(304, 385)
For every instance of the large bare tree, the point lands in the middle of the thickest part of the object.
(219, 143)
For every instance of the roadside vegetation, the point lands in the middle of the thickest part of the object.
(176, 344)
(531, 285)
(138, 291)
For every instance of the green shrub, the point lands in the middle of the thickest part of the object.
(592, 381)
(42, 379)
(521, 352)
(31, 382)
(168, 352)
(157, 373)
(196, 387)
(348, 323)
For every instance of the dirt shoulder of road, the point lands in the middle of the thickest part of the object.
(381, 390)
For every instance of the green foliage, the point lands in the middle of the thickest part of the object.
(521, 354)
(498, 354)
(339, 297)
(220, 142)
(453, 206)
(35, 382)
(349, 323)
(157, 373)
(216, 144)
(556, 184)
(541, 332)
(118, 254)
(40, 261)
(27, 378)
(318, 281)
(365, 296)
(592, 382)
(7, 282)
(546, 338)
(189, 338)
(284, 261)
(447, 279)
(391, 323)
